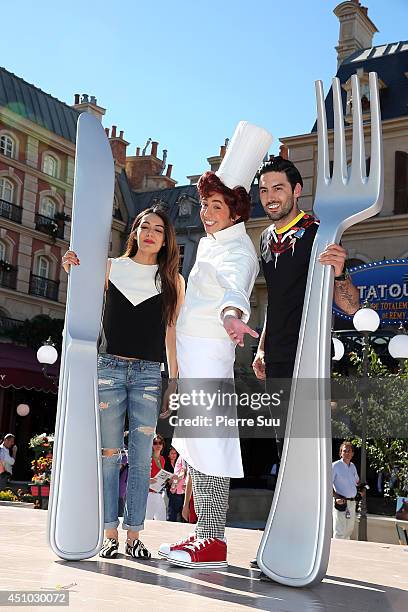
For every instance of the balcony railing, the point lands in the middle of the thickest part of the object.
(49, 226)
(6, 324)
(8, 275)
(10, 211)
(44, 287)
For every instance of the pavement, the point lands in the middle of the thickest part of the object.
(362, 576)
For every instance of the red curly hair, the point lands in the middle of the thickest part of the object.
(237, 199)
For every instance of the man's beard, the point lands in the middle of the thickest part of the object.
(283, 211)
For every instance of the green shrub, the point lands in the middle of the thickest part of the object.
(8, 495)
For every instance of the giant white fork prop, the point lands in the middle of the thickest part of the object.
(75, 516)
(295, 546)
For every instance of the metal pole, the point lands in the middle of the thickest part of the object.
(362, 526)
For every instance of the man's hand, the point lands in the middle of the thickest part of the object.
(258, 365)
(14, 451)
(236, 329)
(334, 255)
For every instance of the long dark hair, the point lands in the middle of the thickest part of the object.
(167, 276)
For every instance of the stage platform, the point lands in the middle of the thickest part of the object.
(362, 576)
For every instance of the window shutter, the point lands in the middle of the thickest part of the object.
(401, 183)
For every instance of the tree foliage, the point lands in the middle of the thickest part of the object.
(33, 332)
(384, 395)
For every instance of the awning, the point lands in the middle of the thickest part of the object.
(19, 369)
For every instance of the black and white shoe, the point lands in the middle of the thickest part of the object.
(137, 550)
(109, 548)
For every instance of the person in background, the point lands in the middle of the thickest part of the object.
(176, 491)
(171, 459)
(345, 481)
(156, 507)
(169, 465)
(8, 452)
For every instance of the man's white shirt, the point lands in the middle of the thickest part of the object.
(6, 458)
(345, 478)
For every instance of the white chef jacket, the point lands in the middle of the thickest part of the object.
(223, 275)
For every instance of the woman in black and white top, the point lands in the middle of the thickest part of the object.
(144, 292)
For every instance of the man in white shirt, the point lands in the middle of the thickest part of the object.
(345, 481)
(7, 460)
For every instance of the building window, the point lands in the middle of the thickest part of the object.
(8, 273)
(6, 190)
(185, 206)
(50, 165)
(40, 283)
(7, 146)
(364, 95)
(47, 208)
(2, 251)
(181, 257)
(43, 267)
(116, 210)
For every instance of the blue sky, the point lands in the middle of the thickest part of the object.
(185, 72)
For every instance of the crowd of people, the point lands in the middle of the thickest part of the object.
(147, 311)
(171, 498)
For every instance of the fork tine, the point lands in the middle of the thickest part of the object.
(376, 139)
(358, 167)
(323, 174)
(339, 157)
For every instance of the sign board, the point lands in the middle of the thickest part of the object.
(384, 284)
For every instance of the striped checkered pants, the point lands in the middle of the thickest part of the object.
(210, 494)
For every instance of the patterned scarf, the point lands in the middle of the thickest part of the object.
(275, 242)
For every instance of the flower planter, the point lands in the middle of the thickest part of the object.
(40, 490)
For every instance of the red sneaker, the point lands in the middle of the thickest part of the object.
(165, 549)
(202, 553)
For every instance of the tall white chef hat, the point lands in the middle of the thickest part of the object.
(244, 155)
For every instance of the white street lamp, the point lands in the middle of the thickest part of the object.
(47, 355)
(366, 320)
(398, 345)
(338, 349)
(23, 410)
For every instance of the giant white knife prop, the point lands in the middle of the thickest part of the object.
(75, 515)
(295, 546)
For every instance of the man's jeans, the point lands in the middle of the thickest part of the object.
(133, 386)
